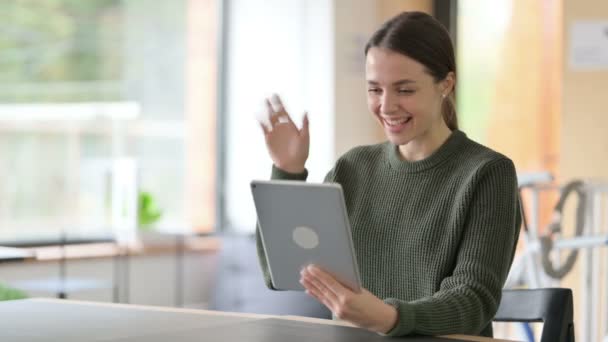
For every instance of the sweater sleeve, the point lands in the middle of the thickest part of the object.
(468, 299)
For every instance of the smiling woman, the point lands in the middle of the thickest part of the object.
(408, 107)
(411, 84)
(434, 215)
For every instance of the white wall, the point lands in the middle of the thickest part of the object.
(355, 22)
(283, 47)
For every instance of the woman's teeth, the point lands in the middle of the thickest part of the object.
(396, 122)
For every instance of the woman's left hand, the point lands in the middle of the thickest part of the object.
(362, 309)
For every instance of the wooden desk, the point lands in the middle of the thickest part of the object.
(66, 320)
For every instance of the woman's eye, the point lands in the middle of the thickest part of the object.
(373, 90)
(406, 91)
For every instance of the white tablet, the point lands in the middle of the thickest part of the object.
(305, 223)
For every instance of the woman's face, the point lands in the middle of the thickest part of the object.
(404, 98)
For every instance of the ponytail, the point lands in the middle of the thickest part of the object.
(448, 111)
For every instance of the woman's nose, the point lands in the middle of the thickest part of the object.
(388, 103)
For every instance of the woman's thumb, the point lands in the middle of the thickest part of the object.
(304, 131)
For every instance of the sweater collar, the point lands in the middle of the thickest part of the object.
(448, 148)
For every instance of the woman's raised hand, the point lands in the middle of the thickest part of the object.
(287, 145)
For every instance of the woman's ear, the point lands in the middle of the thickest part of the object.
(448, 83)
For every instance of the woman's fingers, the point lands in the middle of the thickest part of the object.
(327, 280)
(318, 293)
(264, 128)
(277, 110)
(272, 115)
(277, 115)
(319, 285)
(277, 104)
(319, 297)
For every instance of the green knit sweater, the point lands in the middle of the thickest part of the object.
(435, 238)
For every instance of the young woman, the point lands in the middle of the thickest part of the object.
(434, 215)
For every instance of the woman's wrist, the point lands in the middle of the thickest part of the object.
(389, 320)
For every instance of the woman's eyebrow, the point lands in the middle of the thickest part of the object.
(404, 81)
(396, 83)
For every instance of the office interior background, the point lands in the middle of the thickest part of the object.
(128, 136)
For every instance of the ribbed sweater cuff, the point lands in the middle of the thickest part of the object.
(284, 175)
(407, 318)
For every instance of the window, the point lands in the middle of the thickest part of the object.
(102, 101)
(273, 46)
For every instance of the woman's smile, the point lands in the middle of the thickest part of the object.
(396, 124)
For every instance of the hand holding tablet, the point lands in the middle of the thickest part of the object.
(301, 224)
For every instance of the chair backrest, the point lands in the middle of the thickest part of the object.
(552, 306)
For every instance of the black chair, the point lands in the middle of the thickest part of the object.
(552, 306)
